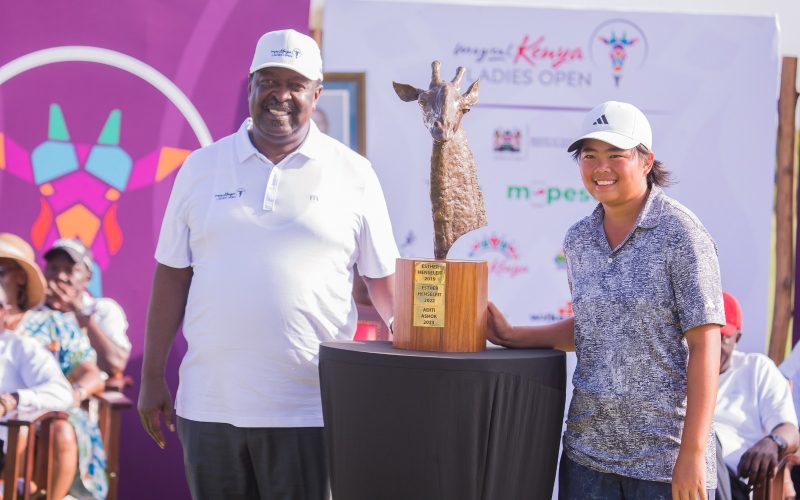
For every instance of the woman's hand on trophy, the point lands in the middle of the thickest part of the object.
(557, 335)
(499, 332)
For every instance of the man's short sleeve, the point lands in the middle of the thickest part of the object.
(791, 364)
(173, 241)
(695, 277)
(791, 370)
(775, 402)
(112, 320)
(377, 249)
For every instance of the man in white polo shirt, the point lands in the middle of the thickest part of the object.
(257, 249)
(755, 420)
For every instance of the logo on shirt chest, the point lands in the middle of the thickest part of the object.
(230, 195)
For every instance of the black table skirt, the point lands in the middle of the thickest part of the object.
(412, 425)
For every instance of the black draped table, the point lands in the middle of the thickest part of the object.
(412, 425)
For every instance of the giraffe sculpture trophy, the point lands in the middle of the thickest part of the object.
(440, 304)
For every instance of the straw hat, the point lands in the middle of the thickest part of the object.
(15, 248)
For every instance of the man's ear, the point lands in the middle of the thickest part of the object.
(317, 92)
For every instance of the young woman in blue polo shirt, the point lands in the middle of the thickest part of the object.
(647, 303)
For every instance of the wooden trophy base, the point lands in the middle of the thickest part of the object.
(440, 305)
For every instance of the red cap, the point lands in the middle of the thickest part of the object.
(733, 315)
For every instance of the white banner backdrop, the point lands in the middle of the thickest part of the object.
(708, 83)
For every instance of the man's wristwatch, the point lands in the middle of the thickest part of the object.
(782, 444)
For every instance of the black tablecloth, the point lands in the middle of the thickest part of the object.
(412, 425)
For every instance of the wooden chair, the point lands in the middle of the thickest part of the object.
(20, 456)
(21, 438)
(119, 383)
(110, 405)
(772, 489)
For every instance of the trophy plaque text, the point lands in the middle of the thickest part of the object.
(444, 311)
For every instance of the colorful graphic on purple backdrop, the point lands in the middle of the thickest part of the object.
(80, 180)
(97, 114)
(80, 184)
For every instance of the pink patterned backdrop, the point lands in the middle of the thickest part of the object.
(99, 105)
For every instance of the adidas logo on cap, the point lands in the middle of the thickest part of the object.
(617, 123)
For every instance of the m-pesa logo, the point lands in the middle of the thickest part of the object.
(503, 256)
(539, 194)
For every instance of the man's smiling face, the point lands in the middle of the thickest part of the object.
(281, 102)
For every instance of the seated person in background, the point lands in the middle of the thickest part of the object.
(791, 370)
(68, 272)
(79, 460)
(755, 419)
(30, 378)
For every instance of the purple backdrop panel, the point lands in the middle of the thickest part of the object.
(99, 106)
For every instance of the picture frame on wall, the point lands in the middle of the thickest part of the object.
(340, 110)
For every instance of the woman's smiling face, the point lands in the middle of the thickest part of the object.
(613, 176)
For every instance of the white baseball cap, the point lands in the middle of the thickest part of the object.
(618, 123)
(288, 49)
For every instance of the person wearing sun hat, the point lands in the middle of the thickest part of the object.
(257, 249)
(79, 467)
(647, 301)
(29, 284)
(755, 419)
(30, 378)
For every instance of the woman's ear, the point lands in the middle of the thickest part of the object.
(648, 162)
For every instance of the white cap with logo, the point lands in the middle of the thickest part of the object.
(288, 49)
(618, 123)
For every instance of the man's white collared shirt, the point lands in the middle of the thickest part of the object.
(272, 249)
